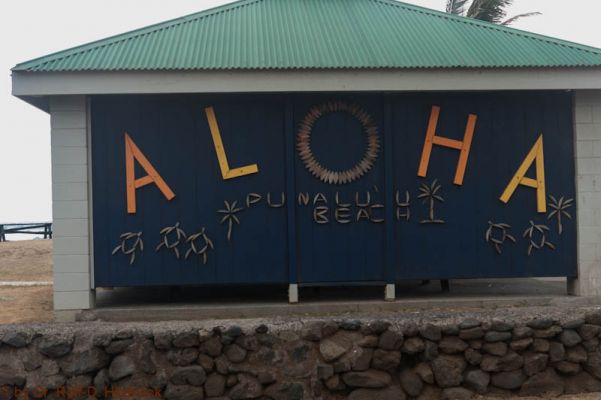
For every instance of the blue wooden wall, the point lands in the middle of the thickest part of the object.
(281, 245)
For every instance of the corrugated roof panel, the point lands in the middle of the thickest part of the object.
(318, 34)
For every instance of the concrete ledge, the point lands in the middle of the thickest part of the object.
(274, 310)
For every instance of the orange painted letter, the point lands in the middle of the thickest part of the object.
(536, 154)
(463, 146)
(132, 154)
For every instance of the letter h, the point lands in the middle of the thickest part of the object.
(463, 146)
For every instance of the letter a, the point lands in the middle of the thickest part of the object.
(463, 146)
(132, 154)
(226, 172)
(536, 153)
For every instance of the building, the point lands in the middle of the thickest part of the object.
(319, 142)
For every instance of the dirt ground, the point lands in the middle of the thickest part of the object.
(29, 260)
(25, 304)
(32, 261)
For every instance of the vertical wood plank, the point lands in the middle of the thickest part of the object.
(290, 191)
(389, 268)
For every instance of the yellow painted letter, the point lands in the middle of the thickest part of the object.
(463, 146)
(132, 154)
(226, 172)
(536, 153)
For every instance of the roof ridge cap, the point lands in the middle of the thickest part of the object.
(139, 32)
(492, 26)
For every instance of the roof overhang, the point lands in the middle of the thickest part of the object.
(35, 87)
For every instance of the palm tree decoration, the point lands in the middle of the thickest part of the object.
(431, 194)
(230, 211)
(485, 10)
(559, 209)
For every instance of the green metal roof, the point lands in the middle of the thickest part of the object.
(318, 34)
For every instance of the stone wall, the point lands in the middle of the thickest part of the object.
(321, 360)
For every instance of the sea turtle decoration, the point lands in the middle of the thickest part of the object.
(542, 242)
(180, 237)
(199, 249)
(497, 235)
(131, 242)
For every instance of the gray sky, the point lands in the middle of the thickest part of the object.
(30, 29)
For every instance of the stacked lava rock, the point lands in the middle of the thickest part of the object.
(371, 360)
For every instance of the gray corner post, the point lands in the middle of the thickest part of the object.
(71, 203)
(587, 134)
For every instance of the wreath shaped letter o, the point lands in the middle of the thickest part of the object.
(303, 143)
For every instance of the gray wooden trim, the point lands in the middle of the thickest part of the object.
(90, 191)
(77, 83)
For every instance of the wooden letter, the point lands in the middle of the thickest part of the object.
(282, 201)
(536, 153)
(372, 212)
(320, 198)
(226, 172)
(463, 146)
(132, 154)
(252, 198)
(363, 214)
(303, 199)
(320, 215)
(342, 215)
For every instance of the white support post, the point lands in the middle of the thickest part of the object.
(390, 292)
(70, 203)
(587, 132)
(293, 293)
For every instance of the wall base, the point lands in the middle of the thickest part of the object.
(66, 316)
(315, 359)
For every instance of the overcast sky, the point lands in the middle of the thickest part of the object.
(34, 28)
